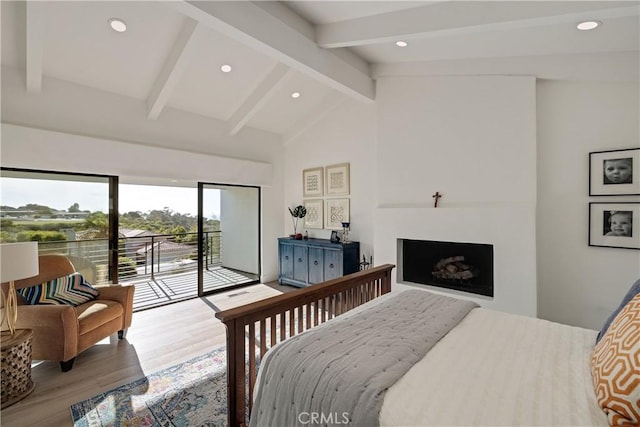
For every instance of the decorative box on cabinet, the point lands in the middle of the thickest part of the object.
(305, 262)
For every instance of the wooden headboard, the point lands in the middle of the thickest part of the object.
(284, 316)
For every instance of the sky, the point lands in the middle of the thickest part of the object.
(93, 196)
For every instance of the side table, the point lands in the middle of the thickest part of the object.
(16, 366)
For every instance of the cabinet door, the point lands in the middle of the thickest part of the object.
(316, 265)
(286, 261)
(332, 264)
(300, 262)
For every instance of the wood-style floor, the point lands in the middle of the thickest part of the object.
(158, 338)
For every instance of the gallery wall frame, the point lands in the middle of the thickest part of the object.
(614, 225)
(337, 179)
(336, 212)
(315, 213)
(614, 172)
(312, 182)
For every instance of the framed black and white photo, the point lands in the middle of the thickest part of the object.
(614, 225)
(337, 179)
(312, 185)
(314, 217)
(614, 173)
(337, 212)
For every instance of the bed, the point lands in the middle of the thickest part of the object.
(413, 358)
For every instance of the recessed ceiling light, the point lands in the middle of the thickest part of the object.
(226, 68)
(117, 25)
(588, 25)
(295, 95)
(401, 43)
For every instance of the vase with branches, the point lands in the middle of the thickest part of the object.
(297, 213)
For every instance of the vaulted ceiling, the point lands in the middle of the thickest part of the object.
(171, 53)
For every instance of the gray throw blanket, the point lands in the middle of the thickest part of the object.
(338, 374)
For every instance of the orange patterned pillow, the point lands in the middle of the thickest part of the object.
(615, 366)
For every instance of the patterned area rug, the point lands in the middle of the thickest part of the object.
(192, 393)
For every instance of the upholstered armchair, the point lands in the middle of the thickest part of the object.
(61, 332)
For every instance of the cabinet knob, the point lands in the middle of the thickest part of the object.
(330, 265)
(299, 259)
(315, 262)
(286, 257)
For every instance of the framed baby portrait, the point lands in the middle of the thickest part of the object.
(614, 225)
(614, 173)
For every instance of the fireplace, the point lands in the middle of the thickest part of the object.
(466, 267)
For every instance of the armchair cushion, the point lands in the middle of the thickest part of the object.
(71, 289)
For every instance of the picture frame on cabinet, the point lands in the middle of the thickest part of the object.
(312, 182)
(315, 211)
(337, 179)
(614, 225)
(337, 212)
(614, 172)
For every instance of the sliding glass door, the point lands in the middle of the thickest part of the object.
(229, 236)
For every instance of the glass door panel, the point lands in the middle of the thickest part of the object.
(229, 236)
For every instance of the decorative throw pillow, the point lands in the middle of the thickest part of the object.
(635, 290)
(69, 290)
(615, 367)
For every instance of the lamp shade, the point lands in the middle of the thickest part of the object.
(18, 261)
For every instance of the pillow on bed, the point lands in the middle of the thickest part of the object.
(70, 290)
(615, 367)
(635, 290)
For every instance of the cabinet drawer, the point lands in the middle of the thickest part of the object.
(332, 264)
(286, 261)
(300, 263)
(316, 265)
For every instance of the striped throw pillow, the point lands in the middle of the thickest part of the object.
(69, 290)
(615, 367)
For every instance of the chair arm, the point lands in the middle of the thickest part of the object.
(55, 329)
(122, 294)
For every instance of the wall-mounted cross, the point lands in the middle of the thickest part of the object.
(436, 197)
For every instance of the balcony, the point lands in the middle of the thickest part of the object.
(163, 268)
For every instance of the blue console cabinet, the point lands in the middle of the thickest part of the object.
(306, 262)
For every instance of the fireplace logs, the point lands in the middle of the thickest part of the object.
(453, 268)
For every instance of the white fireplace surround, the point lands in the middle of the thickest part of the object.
(510, 228)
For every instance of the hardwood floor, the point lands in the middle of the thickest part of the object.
(158, 338)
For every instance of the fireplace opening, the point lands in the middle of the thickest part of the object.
(466, 267)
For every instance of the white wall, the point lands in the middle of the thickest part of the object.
(346, 134)
(578, 284)
(26, 147)
(473, 139)
(239, 207)
(428, 137)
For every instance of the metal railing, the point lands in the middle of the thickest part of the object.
(140, 257)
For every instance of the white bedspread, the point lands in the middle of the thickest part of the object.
(476, 376)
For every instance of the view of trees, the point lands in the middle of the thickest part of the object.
(34, 222)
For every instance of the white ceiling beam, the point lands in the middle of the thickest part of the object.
(257, 28)
(329, 103)
(35, 17)
(256, 100)
(464, 17)
(171, 72)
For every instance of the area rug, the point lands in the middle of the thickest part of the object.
(192, 393)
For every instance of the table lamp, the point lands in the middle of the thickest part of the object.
(17, 261)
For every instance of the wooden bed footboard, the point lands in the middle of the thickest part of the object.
(254, 328)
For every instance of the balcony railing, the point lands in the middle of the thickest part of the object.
(141, 257)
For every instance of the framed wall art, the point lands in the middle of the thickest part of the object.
(614, 225)
(312, 184)
(337, 212)
(337, 179)
(314, 217)
(614, 173)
